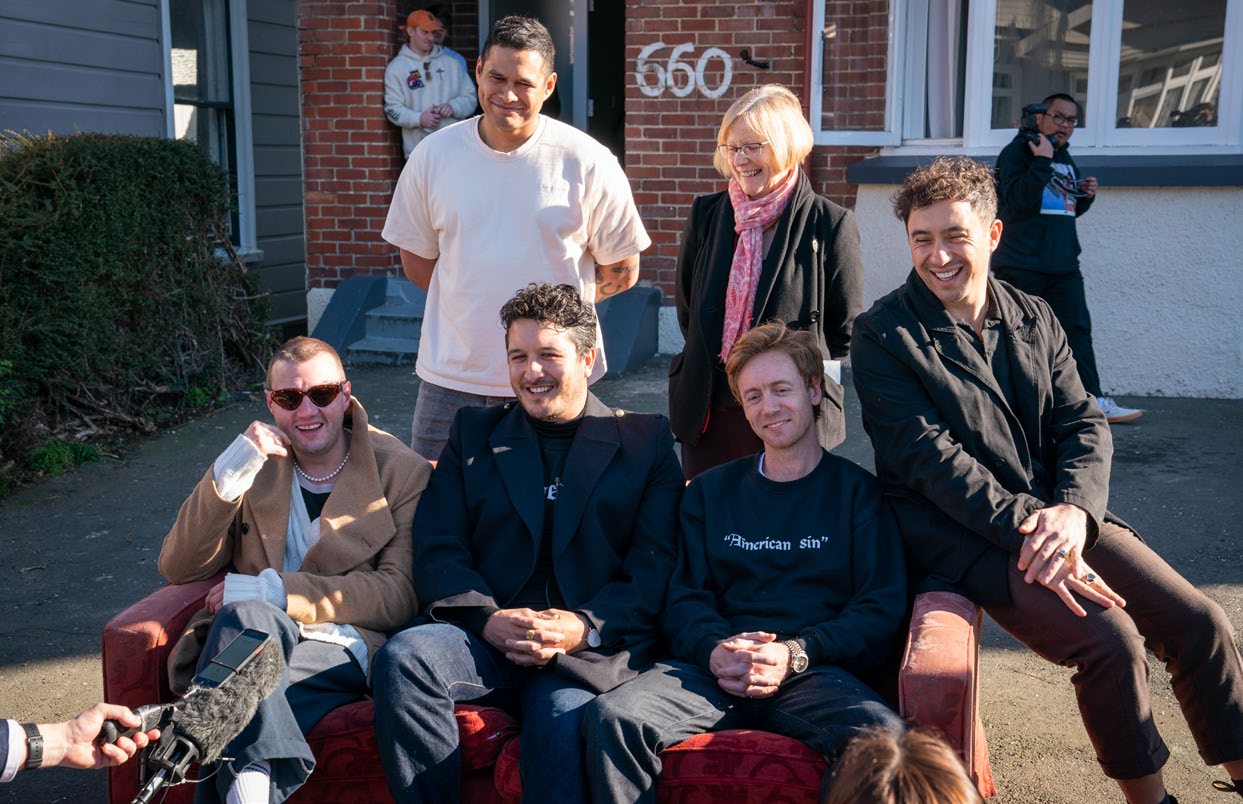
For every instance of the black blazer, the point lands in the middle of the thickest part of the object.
(961, 468)
(478, 527)
(811, 278)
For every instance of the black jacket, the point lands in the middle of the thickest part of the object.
(816, 559)
(1030, 240)
(955, 460)
(478, 527)
(812, 278)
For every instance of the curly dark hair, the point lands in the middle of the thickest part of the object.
(948, 178)
(521, 33)
(558, 305)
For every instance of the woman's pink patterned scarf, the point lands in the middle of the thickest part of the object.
(751, 218)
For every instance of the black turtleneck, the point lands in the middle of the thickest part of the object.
(555, 438)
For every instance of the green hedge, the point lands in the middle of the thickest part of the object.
(122, 306)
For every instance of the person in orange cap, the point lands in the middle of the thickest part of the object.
(424, 89)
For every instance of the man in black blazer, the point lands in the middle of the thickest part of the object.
(996, 462)
(542, 550)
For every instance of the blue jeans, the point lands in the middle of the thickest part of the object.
(628, 727)
(422, 672)
(318, 678)
(434, 410)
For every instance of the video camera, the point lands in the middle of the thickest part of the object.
(1027, 125)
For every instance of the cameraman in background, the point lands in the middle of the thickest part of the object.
(1040, 193)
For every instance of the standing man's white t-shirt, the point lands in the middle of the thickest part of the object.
(548, 211)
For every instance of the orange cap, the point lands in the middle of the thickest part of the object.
(423, 19)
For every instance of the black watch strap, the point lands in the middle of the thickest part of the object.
(34, 746)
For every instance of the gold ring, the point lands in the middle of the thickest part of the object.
(530, 634)
(1090, 579)
(1063, 553)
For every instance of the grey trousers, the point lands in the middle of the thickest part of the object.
(434, 410)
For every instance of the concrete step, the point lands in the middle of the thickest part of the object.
(395, 320)
(376, 351)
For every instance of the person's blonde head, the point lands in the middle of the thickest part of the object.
(300, 349)
(773, 112)
(912, 768)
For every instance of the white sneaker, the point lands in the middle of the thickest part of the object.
(1115, 413)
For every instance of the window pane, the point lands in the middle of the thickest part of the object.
(1040, 47)
(1170, 70)
(200, 50)
(856, 44)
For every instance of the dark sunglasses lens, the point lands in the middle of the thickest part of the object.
(322, 395)
(289, 399)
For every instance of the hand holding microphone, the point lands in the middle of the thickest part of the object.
(219, 704)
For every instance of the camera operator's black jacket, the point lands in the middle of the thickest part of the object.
(1029, 240)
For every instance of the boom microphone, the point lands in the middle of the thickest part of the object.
(210, 715)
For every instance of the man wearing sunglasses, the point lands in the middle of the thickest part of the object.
(1040, 195)
(543, 548)
(309, 518)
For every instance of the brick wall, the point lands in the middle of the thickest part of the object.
(351, 154)
(669, 139)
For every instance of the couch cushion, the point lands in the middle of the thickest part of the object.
(740, 766)
(726, 767)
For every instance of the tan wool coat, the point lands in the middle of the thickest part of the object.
(358, 573)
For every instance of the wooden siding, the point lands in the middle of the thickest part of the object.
(86, 65)
(274, 104)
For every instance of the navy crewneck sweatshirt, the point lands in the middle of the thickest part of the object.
(816, 559)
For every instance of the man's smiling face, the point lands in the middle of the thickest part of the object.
(547, 373)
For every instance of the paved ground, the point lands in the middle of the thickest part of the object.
(77, 549)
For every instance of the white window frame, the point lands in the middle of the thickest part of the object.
(895, 58)
(243, 135)
(1098, 132)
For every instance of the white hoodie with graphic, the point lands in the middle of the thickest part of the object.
(414, 83)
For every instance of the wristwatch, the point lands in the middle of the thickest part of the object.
(798, 656)
(34, 746)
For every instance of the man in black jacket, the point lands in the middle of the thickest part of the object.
(996, 462)
(789, 588)
(542, 550)
(1040, 196)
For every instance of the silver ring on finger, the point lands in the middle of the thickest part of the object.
(1090, 578)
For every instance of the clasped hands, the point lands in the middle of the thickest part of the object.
(530, 638)
(750, 665)
(1052, 555)
(431, 116)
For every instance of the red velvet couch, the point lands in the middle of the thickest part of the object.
(937, 687)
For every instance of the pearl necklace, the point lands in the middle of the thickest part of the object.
(326, 477)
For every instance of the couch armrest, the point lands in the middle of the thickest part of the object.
(137, 642)
(136, 646)
(938, 683)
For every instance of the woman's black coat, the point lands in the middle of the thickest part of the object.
(811, 278)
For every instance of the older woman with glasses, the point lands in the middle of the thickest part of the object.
(766, 248)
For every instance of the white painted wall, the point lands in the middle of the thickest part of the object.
(1164, 279)
(316, 302)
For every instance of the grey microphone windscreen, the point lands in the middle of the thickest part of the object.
(210, 717)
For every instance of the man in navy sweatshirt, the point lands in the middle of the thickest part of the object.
(789, 587)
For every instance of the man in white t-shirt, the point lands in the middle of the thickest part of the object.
(424, 88)
(491, 204)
